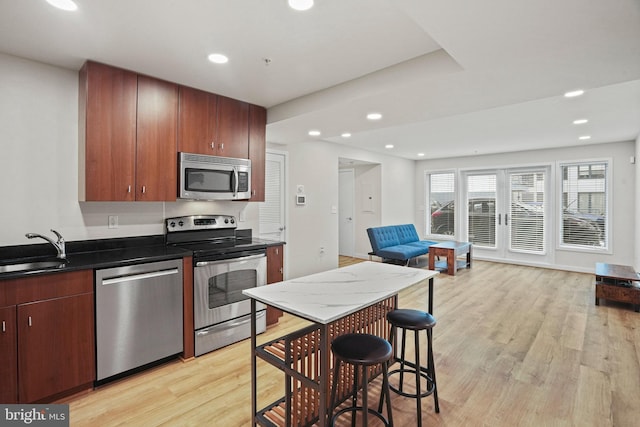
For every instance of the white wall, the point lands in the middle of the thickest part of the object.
(624, 195)
(39, 165)
(314, 164)
(636, 263)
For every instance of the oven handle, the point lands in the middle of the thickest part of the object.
(226, 261)
(244, 321)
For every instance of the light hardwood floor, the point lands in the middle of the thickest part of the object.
(514, 346)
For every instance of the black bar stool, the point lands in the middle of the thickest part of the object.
(361, 351)
(416, 321)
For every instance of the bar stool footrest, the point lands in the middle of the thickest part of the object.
(358, 408)
(423, 373)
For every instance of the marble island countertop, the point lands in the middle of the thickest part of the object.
(329, 295)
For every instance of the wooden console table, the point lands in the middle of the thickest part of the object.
(617, 283)
(451, 250)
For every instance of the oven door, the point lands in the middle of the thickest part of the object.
(218, 287)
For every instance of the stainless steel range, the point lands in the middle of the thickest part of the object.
(226, 261)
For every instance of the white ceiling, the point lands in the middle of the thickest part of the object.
(451, 77)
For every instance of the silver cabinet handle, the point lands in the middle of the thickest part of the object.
(506, 219)
(30, 323)
(213, 145)
(144, 189)
(4, 326)
(499, 219)
(222, 146)
(129, 189)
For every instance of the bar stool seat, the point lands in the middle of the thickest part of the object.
(362, 351)
(416, 321)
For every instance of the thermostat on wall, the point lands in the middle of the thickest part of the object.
(301, 199)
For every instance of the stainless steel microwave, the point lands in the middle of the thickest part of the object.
(205, 177)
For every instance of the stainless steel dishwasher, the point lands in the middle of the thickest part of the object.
(138, 316)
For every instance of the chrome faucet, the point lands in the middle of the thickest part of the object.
(59, 245)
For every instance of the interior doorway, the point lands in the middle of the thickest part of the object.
(359, 199)
(346, 199)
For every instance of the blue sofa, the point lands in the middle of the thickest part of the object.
(397, 243)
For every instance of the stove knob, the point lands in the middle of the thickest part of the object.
(232, 220)
(180, 223)
(226, 220)
(172, 224)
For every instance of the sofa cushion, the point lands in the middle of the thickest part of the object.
(406, 233)
(401, 252)
(382, 237)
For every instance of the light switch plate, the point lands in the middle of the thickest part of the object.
(113, 221)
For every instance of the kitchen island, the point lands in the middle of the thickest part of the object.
(349, 299)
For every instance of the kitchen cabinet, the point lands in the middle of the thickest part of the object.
(156, 145)
(212, 124)
(127, 136)
(8, 356)
(275, 273)
(257, 153)
(54, 346)
(107, 133)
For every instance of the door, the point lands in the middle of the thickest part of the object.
(8, 356)
(506, 213)
(272, 211)
(109, 138)
(156, 143)
(346, 185)
(55, 346)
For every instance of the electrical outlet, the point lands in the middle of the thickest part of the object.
(113, 221)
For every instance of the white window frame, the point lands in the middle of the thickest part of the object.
(427, 206)
(608, 198)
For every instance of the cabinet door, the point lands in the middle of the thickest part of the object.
(197, 121)
(232, 133)
(156, 158)
(107, 133)
(8, 356)
(275, 273)
(55, 346)
(257, 147)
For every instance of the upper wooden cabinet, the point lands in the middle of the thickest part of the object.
(127, 136)
(107, 133)
(257, 146)
(156, 148)
(212, 124)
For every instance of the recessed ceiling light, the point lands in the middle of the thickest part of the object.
(314, 132)
(346, 135)
(580, 121)
(573, 93)
(301, 4)
(218, 58)
(63, 4)
(584, 137)
(420, 154)
(388, 146)
(374, 116)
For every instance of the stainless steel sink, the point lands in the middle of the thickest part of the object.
(36, 265)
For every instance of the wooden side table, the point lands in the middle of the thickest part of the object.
(451, 250)
(617, 283)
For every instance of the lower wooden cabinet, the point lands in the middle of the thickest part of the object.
(8, 356)
(275, 273)
(48, 349)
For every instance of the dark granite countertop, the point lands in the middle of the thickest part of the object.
(91, 254)
(97, 254)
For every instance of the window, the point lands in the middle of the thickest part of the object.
(584, 205)
(441, 190)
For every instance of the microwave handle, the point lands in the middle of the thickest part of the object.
(235, 186)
